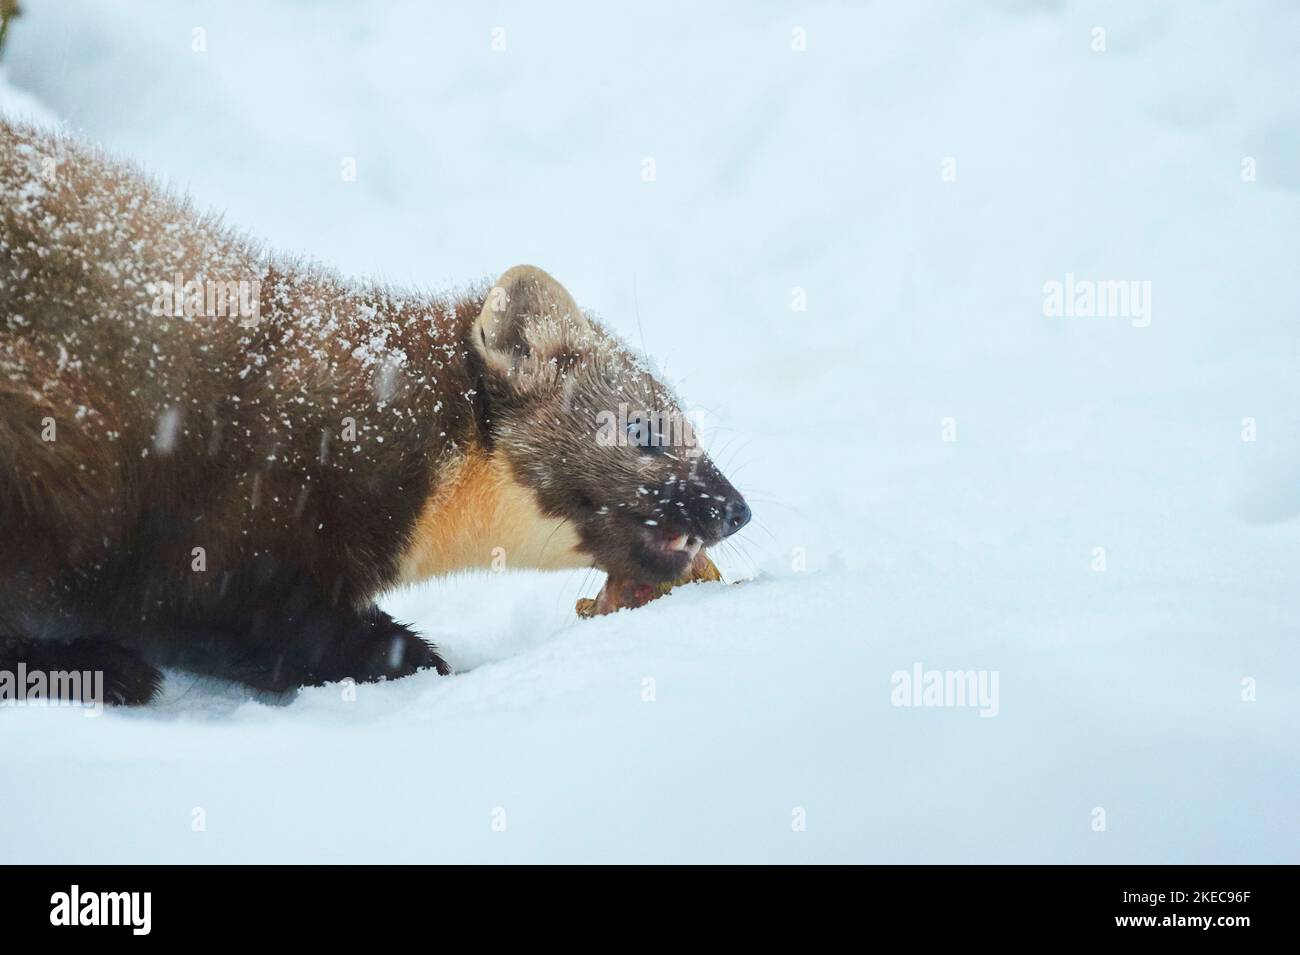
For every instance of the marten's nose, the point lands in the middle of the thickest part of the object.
(735, 516)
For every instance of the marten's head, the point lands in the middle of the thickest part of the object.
(588, 429)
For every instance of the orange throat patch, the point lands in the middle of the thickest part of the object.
(481, 517)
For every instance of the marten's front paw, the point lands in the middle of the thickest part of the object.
(397, 651)
(133, 683)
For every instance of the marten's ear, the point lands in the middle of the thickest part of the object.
(527, 322)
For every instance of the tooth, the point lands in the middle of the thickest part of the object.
(677, 543)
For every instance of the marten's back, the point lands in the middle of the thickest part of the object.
(87, 244)
(165, 386)
(85, 247)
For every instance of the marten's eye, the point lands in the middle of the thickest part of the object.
(642, 434)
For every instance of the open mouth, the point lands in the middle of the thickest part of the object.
(648, 550)
(665, 553)
(687, 544)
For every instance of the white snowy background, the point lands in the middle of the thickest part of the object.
(776, 169)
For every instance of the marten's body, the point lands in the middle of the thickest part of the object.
(229, 492)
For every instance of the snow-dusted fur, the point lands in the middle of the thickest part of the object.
(225, 483)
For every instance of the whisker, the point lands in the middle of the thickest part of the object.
(645, 355)
(755, 522)
(552, 534)
(741, 556)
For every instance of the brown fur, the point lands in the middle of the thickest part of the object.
(474, 429)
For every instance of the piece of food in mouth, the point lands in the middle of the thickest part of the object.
(619, 594)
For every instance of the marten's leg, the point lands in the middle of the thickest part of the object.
(127, 679)
(328, 644)
(285, 647)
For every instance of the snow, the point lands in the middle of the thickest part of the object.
(705, 726)
(16, 104)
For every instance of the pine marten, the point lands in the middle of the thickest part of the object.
(214, 458)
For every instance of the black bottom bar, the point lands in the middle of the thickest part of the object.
(237, 903)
